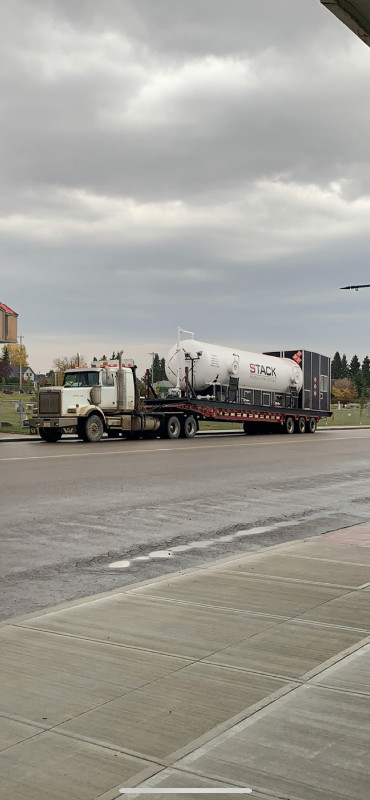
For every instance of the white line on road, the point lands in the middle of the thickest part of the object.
(189, 790)
(156, 450)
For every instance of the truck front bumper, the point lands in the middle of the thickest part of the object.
(53, 422)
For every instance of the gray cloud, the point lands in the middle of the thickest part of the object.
(192, 162)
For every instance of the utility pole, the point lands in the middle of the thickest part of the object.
(20, 383)
(20, 363)
(152, 355)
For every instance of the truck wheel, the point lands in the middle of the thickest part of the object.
(289, 425)
(50, 435)
(190, 427)
(311, 425)
(94, 428)
(173, 428)
(301, 425)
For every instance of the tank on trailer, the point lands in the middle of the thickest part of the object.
(209, 364)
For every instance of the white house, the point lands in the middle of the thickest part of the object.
(27, 374)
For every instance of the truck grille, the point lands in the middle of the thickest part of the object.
(49, 402)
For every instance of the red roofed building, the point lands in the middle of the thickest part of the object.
(8, 325)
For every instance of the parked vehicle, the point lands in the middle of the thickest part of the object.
(284, 391)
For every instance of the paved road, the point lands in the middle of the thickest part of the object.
(70, 510)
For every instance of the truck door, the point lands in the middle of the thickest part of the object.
(108, 390)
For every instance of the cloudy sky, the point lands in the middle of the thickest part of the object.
(202, 163)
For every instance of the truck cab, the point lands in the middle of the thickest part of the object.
(95, 397)
(96, 386)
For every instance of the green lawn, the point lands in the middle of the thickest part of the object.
(347, 416)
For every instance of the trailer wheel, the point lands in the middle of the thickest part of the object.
(301, 425)
(173, 428)
(50, 434)
(190, 427)
(311, 425)
(94, 428)
(289, 425)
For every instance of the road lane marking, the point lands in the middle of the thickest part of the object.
(173, 449)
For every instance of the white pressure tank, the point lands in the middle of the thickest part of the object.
(211, 364)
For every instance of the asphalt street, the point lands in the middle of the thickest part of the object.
(79, 519)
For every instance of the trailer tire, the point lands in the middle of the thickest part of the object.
(289, 425)
(94, 428)
(50, 434)
(311, 425)
(172, 428)
(301, 425)
(189, 427)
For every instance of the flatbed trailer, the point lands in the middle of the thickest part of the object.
(288, 417)
(255, 419)
(105, 399)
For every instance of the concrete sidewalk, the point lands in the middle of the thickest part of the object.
(251, 672)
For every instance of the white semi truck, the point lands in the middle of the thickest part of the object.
(279, 391)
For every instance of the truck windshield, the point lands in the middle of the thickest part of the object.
(73, 380)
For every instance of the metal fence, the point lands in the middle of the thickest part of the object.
(351, 415)
(14, 413)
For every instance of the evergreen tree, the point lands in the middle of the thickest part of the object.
(158, 368)
(345, 367)
(366, 371)
(336, 366)
(363, 399)
(354, 367)
(5, 354)
(358, 380)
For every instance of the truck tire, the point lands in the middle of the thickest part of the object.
(50, 434)
(301, 425)
(311, 425)
(289, 425)
(94, 428)
(189, 427)
(173, 428)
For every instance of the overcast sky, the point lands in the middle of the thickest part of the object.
(202, 163)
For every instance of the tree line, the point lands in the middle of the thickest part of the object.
(11, 357)
(352, 378)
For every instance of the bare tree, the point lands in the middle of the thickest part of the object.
(62, 363)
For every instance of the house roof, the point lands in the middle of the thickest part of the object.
(15, 371)
(8, 310)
